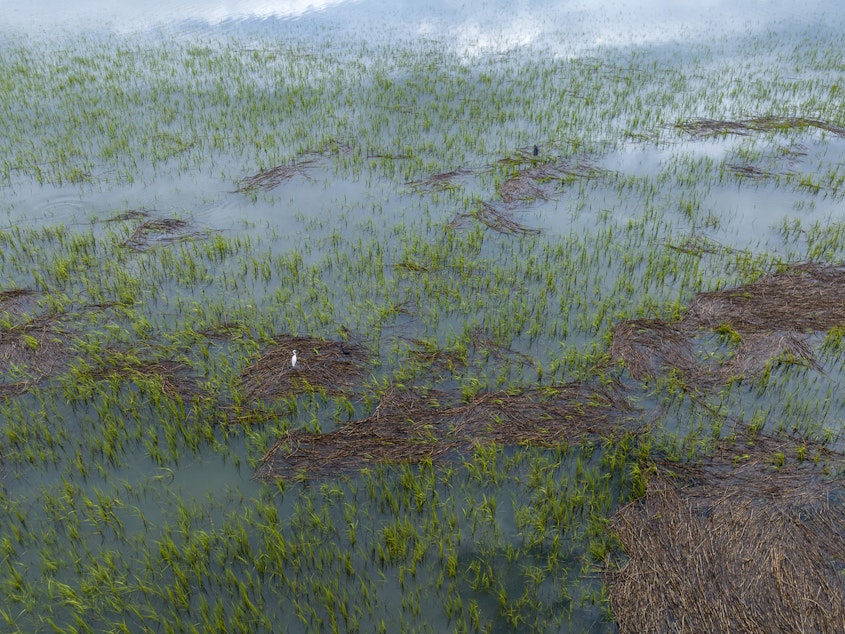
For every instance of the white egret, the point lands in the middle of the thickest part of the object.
(293, 360)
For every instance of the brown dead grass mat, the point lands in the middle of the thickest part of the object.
(413, 425)
(715, 127)
(160, 231)
(537, 181)
(804, 297)
(172, 377)
(16, 300)
(438, 182)
(499, 220)
(268, 179)
(771, 317)
(752, 540)
(542, 180)
(29, 353)
(329, 366)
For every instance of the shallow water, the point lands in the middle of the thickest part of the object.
(379, 97)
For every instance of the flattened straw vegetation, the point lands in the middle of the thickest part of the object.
(15, 300)
(501, 221)
(158, 231)
(336, 146)
(768, 318)
(482, 342)
(398, 431)
(541, 417)
(429, 353)
(438, 182)
(412, 425)
(698, 245)
(541, 181)
(33, 350)
(649, 346)
(173, 378)
(758, 349)
(129, 214)
(715, 127)
(752, 540)
(330, 366)
(268, 179)
(749, 171)
(519, 188)
(224, 330)
(804, 297)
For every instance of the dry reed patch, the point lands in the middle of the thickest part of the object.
(431, 355)
(329, 366)
(545, 417)
(481, 345)
(224, 330)
(269, 179)
(651, 348)
(716, 127)
(402, 429)
(415, 425)
(699, 245)
(129, 214)
(521, 188)
(29, 353)
(751, 541)
(336, 146)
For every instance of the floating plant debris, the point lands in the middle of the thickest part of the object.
(749, 539)
(172, 378)
(712, 127)
(438, 182)
(415, 425)
(269, 179)
(499, 220)
(331, 366)
(769, 319)
(649, 347)
(30, 352)
(544, 180)
(802, 297)
(749, 171)
(15, 300)
(160, 231)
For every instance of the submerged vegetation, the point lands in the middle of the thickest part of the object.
(561, 321)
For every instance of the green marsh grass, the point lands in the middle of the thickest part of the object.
(383, 196)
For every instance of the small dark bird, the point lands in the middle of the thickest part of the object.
(536, 150)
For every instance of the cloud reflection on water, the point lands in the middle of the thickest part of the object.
(475, 27)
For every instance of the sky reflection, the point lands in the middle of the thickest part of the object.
(483, 26)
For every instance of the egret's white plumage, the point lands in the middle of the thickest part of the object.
(293, 360)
